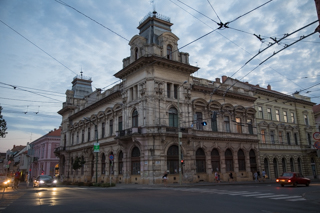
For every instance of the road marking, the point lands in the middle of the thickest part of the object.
(256, 194)
(268, 196)
(298, 199)
(279, 198)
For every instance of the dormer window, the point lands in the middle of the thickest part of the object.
(169, 52)
(136, 53)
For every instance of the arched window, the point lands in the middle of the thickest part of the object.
(291, 165)
(299, 165)
(136, 53)
(241, 160)
(120, 163)
(215, 160)
(135, 161)
(275, 168)
(229, 160)
(71, 165)
(169, 52)
(82, 167)
(111, 166)
(284, 166)
(173, 117)
(173, 159)
(135, 118)
(266, 166)
(253, 162)
(103, 164)
(200, 161)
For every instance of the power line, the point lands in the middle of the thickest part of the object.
(29, 100)
(214, 10)
(31, 88)
(38, 47)
(67, 5)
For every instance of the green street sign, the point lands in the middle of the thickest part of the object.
(96, 147)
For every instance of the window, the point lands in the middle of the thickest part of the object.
(250, 127)
(280, 137)
(103, 130)
(292, 117)
(168, 90)
(229, 160)
(120, 163)
(82, 136)
(200, 161)
(72, 138)
(260, 112)
(306, 120)
(110, 127)
(285, 117)
(175, 91)
(291, 165)
(120, 123)
(239, 125)
(135, 118)
(263, 136)
(173, 117)
(296, 138)
(241, 160)
(288, 138)
(82, 165)
(284, 169)
(71, 165)
(136, 53)
(309, 138)
(199, 120)
(95, 131)
(269, 113)
(89, 133)
(77, 137)
(135, 161)
(299, 166)
(227, 123)
(214, 124)
(173, 159)
(277, 115)
(169, 52)
(253, 162)
(215, 160)
(272, 136)
(103, 164)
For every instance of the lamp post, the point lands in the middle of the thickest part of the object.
(179, 135)
(95, 147)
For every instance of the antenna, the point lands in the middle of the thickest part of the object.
(26, 110)
(153, 5)
(81, 72)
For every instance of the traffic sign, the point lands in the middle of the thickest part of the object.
(96, 147)
(317, 144)
(316, 135)
(111, 157)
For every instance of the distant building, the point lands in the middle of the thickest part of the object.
(43, 159)
(12, 160)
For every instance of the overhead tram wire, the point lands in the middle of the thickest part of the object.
(31, 100)
(67, 5)
(37, 46)
(214, 11)
(303, 37)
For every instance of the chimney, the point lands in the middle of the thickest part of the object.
(257, 85)
(218, 80)
(224, 78)
(269, 87)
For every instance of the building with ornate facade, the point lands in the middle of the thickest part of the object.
(139, 122)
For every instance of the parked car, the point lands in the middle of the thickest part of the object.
(292, 178)
(44, 180)
(4, 182)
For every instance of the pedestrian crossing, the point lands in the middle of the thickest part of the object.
(258, 195)
(249, 194)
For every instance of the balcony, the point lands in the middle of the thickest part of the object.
(58, 150)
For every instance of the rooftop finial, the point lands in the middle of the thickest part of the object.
(153, 5)
(81, 72)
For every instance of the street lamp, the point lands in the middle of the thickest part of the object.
(179, 134)
(95, 147)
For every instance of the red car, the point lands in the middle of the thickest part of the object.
(292, 178)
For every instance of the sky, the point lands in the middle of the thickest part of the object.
(44, 44)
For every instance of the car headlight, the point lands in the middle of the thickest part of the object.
(41, 181)
(8, 181)
(5, 182)
(55, 181)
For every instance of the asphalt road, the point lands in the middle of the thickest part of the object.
(265, 198)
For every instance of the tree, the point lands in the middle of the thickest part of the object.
(3, 126)
(78, 163)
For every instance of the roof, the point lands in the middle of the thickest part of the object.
(55, 132)
(316, 108)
